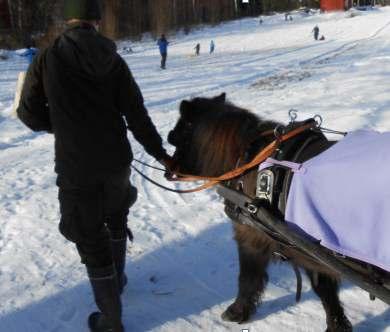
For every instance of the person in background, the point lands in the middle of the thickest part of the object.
(212, 47)
(197, 49)
(83, 92)
(3, 55)
(128, 50)
(163, 47)
(29, 53)
(316, 31)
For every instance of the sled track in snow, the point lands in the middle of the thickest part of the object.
(251, 79)
(318, 59)
(342, 49)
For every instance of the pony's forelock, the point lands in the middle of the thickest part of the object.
(221, 135)
(218, 135)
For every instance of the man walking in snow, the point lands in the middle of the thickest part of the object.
(316, 32)
(197, 49)
(82, 91)
(212, 47)
(163, 47)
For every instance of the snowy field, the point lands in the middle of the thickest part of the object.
(183, 265)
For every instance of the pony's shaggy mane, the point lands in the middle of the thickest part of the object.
(223, 134)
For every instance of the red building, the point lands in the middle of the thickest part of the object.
(330, 5)
(5, 17)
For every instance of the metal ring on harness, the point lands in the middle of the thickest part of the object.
(293, 115)
(318, 119)
(252, 208)
(279, 131)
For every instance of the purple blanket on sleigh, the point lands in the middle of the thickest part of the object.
(342, 197)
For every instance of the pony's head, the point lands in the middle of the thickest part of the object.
(212, 135)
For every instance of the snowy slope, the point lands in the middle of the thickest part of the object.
(183, 265)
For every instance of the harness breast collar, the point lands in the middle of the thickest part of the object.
(274, 175)
(273, 181)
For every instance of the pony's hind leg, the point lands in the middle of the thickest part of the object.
(251, 283)
(327, 289)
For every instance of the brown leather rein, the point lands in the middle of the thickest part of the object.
(257, 160)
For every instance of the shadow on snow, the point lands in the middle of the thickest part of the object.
(176, 281)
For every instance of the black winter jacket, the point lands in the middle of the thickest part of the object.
(81, 90)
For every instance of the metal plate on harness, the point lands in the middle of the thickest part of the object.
(265, 185)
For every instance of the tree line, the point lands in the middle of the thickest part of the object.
(135, 17)
(42, 19)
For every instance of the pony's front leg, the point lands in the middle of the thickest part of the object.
(252, 281)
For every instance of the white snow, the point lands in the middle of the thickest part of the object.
(183, 265)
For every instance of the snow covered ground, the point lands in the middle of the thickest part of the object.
(183, 265)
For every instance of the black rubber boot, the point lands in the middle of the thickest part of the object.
(118, 247)
(105, 290)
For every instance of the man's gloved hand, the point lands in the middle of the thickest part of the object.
(169, 164)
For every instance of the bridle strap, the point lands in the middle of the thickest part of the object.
(258, 159)
(170, 189)
(213, 181)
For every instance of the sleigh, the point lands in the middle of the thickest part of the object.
(322, 243)
(322, 231)
(256, 214)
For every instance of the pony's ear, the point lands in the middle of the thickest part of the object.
(185, 108)
(221, 98)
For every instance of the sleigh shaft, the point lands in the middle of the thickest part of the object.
(256, 215)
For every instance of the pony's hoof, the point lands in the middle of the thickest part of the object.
(340, 324)
(238, 313)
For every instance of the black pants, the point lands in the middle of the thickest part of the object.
(163, 60)
(94, 210)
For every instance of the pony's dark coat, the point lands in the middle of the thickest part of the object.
(212, 137)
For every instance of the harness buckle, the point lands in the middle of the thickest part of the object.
(265, 185)
(318, 119)
(252, 208)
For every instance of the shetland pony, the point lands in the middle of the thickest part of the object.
(213, 137)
